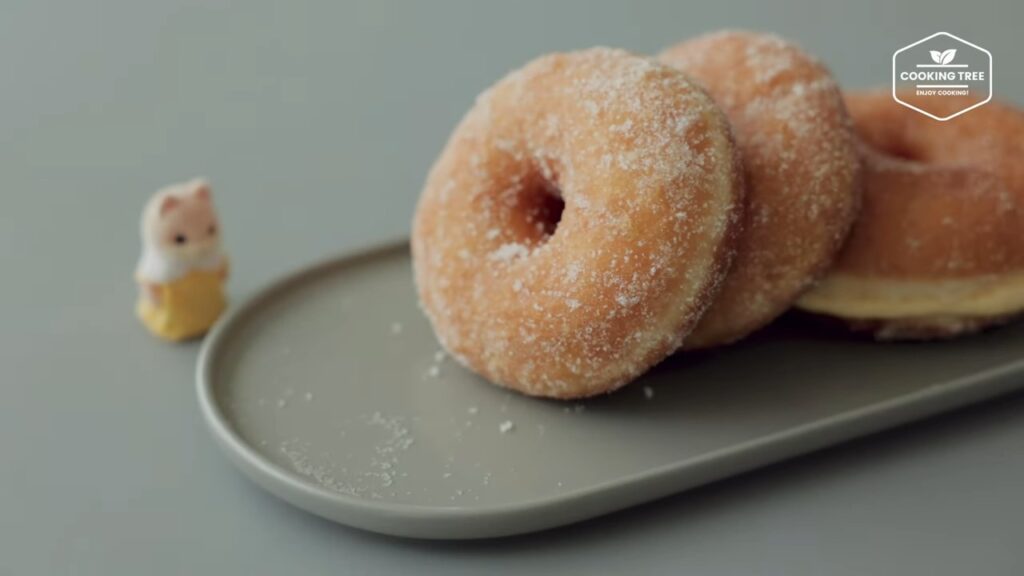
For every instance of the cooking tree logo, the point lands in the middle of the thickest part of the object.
(942, 76)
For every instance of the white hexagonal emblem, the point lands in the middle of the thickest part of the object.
(942, 76)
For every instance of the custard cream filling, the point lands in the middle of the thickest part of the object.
(877, 298)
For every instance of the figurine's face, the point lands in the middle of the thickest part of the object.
(185, 224)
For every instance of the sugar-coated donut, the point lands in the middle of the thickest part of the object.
(939, 247)
(577, 299)
(802, 173)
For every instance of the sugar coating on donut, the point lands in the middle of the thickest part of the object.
(986, 140)
(921, 222)
(577, 222)
(801, 168)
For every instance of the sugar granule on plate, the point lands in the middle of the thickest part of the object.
(506, 426)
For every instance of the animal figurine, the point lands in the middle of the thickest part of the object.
(183, 268)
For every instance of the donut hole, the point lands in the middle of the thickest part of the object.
(892, 143)
(541, 208)
(902, 150)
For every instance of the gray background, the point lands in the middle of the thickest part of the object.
(316, 124)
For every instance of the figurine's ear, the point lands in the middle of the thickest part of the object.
(168, 204)
(201, 188)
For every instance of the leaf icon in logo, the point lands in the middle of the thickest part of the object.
(947, 56)
(937, 56)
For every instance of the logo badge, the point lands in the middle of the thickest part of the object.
(942, 69)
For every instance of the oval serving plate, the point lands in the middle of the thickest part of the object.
(329, 390)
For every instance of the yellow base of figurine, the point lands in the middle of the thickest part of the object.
(185, 308)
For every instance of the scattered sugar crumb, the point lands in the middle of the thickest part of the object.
(435, 369)
(473, 410)
(308, 396)
(506, 426)
(322, 475)
(396, 327)
(648, 392)
(446, 475)
(281, 403)
(397, 440)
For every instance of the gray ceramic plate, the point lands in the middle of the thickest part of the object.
(329, 390)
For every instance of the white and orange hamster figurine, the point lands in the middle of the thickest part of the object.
(182, 270)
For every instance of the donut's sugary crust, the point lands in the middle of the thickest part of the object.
(646, 167)
(988, 138)
(802, 172)
(939, 247)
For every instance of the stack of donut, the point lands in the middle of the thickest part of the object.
(596, 211)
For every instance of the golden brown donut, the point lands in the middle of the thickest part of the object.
(938, 249)
(802, 173)
(577, 300)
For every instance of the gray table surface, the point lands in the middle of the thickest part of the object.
(316, 124)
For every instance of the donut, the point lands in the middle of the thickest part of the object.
(938, 249)
(801, 166)
(577, 223)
